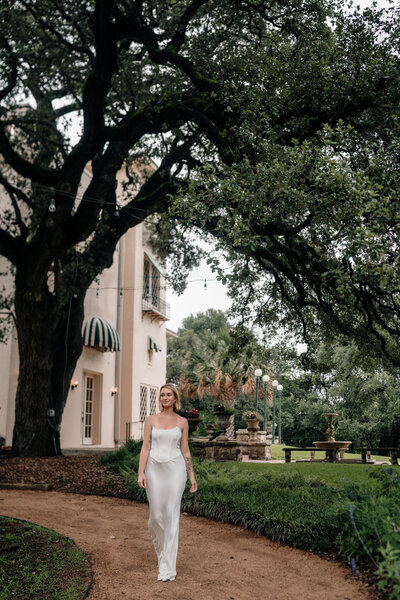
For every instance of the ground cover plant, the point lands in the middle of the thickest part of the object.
(306, 505)
(370, 525)
(36, 562)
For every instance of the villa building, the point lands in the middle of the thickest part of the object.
(123, 362)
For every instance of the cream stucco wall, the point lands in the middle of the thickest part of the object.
(141, 367)
(138, 366)
(8, 361)
(127, 370)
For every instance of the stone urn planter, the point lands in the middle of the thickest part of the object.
(253, 425)
(193, 422)
(252, 419)
(193, 418)
(222, 419)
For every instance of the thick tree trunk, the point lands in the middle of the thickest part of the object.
(49, 344)
(67, 348)
(33, 432)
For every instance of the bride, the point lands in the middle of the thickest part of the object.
(164, 460)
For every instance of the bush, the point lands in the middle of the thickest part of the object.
(370, 526)
(288, 508)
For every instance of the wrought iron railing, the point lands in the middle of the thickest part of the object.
(129, 427)
(155, 304)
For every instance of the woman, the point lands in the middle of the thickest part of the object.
(164, 460)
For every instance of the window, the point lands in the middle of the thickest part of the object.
(151, 283)
(88, 416)
(91, 410)
(152, 303)
(153, 400)
(146, 278)
(143, 402)
(148, 401)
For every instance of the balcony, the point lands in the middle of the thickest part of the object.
(156, 308)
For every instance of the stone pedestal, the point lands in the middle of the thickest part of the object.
(227, 449)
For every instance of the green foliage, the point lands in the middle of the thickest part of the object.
(126, 456)
(214, 361)
(369, 526)
(36, 562)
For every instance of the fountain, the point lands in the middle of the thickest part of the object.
(331, 445)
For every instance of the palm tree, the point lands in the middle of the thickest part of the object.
(215, 373)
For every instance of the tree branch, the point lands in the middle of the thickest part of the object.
(133, 27)
(9, 246)
(48, 177)
(12, 77)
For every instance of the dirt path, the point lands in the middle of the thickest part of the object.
(215, 560)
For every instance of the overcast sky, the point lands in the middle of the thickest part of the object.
(198, 297)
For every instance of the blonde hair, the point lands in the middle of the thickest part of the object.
(170, 386)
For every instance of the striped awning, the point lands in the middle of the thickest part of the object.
(98, 333)
(154, 345)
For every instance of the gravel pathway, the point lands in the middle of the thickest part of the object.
(215, 560)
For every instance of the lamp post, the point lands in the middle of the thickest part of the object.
(258, 374)
(265, 380)
(280, 388)
(274, 384)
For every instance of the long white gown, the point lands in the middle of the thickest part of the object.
(165, 482)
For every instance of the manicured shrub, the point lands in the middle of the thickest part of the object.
(369, 522)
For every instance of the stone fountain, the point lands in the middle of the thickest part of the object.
(331, 445)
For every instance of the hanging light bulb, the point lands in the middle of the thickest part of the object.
(52, 203)
(116, 214)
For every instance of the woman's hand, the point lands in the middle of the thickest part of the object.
(142, 480)
(193, 487)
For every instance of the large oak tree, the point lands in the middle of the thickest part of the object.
(110, 83)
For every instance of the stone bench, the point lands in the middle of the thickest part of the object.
(330, 453)
(366, 453)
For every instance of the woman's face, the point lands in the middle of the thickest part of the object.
(167, 397)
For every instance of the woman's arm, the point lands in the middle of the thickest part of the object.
(144, 453)
(186, 455)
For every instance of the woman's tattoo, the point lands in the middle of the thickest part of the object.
(188, 464)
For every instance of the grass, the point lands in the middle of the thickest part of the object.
(36, 562)
(335, 475)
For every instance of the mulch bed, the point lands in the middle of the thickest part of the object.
(76, 474)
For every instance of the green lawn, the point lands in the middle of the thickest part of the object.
(277, 453)
(36, 562)
(333, 474)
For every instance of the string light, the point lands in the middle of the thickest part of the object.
(90, 199)
(141, 287)
(52, 203)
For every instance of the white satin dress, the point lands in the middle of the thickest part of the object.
(165, 482)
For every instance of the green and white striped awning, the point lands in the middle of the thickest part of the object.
(98, 333)
(154, 345)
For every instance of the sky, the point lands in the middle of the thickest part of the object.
(202, 292)
(198, 297)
